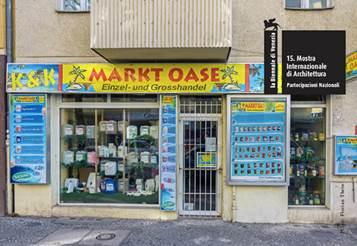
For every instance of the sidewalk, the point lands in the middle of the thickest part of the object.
(88, 231)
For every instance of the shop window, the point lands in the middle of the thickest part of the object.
(73, 5)
(109, 156)
(84, 98)
(200, 105)
(307, 156)
(134, 98)
(309, 4)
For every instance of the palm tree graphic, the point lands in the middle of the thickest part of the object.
(73, 84)
(228, 73)
(78, 72)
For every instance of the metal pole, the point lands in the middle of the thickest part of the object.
(3, 163)
(9, 31)
(9, 205)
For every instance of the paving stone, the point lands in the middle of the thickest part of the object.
(104, 237)
(64, 237)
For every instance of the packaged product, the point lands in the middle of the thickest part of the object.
(153, 159)
(68, 157)
(154, 132)
(121, 151)
(81, 155)
(92, 158)
(90, 130)
(80, 130)
(110, 168)
(132, 158)
(112, 150)
(111, 127)
(131, 132)
(144, 130)
(67, 130)
(145, 157)
(102, 126)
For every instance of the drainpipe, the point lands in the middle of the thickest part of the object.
(9, 55)
(9, 30)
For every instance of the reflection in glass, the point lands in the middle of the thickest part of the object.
(109, 156)
(307, 156)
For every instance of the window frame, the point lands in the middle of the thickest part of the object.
(327, 106)
(330, 4)
(85, 7)
(56, 116)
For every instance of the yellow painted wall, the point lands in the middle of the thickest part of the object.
(33, 200)
(36, 200)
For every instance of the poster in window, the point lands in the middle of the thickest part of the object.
(168, 153)
(257, 141)
(346, 155)
(206, 159)
(28, 141)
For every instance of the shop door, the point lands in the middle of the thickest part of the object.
(199, 166)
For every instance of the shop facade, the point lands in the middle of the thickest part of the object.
(161, 141)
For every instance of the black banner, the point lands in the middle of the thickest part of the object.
(314, 62)
(271, 61)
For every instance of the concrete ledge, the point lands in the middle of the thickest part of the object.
(310, 215)
(113, 212)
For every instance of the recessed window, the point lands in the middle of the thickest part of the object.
(73, 5)
(309, 4)
(307, 156)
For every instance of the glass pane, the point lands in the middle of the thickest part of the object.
(134, 98)
(84, 98)
(309, 4)
(72, 5)
(308, 156)
(89, 4)
(109, 156)
(318, 4)
(200, 105)
(142, 137)
(293, 3)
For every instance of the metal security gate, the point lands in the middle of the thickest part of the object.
(200, 159)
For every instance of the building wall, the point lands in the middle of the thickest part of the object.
(248, 46)
(344, 121)
(2, 26)
(66, 36)
(44, 35)
(2, 113)
(248, 17)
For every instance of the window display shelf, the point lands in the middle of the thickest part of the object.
(141, 164)
(84, 197)
(309, 141)
(307, 177)
(120, 146)
(111, 158)
(307, 162)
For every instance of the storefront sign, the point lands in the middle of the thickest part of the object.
(257, 140)
(206, 159)
(138, 78)
(351, 66)
(271, 57)
(314, 62)
(28, 142)
(168, 153)
(33, 78)
(346, 155)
